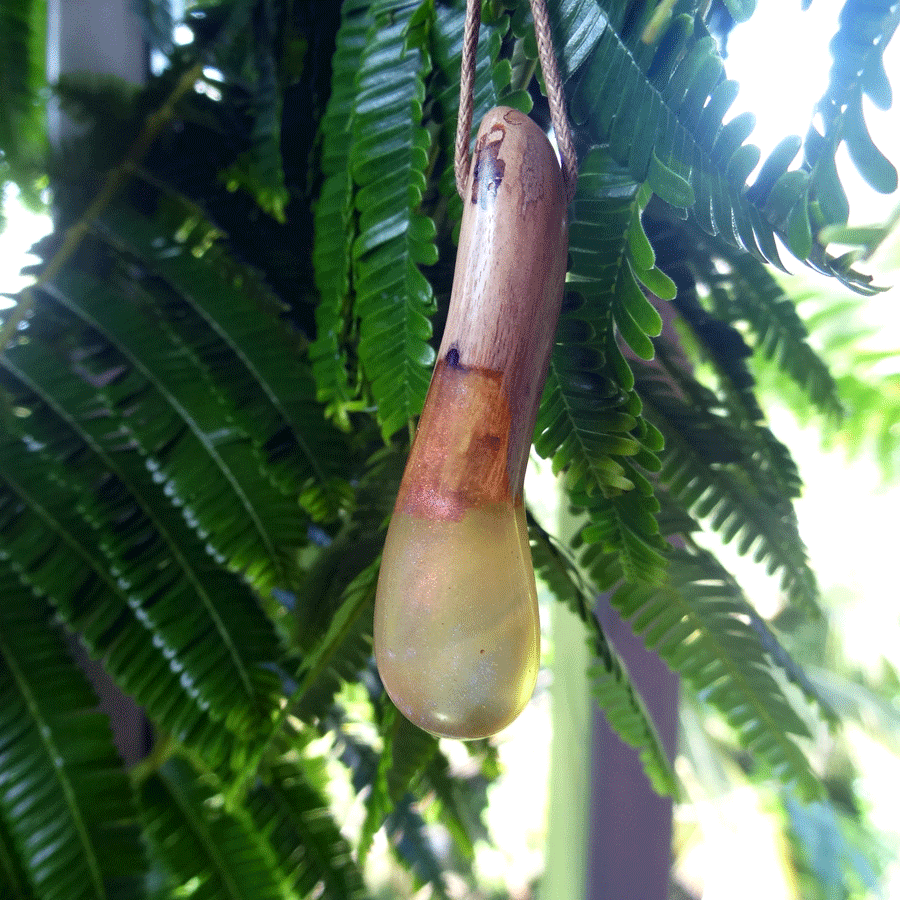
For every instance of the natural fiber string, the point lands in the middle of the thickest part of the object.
(466, 94)
(558, 117)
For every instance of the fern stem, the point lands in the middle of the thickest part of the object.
(115, 180)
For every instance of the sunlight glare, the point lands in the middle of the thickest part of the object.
(23, 229)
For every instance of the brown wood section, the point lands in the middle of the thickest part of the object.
(476, 429)
(459, 457)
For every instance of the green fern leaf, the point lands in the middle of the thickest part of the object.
(23, 81)
(248, 57)
(290, 811)
(261, 366)
(576, 26)
(66, 808)
(388, 157)
(216, 854)
(415, 847)
(405, 753)
(189, 432)
(334, 224)
(345, 648)
(13, 881)
(648, 103)
(101, 513)
(750, 294)
(721, 346)
(108, 560)
(590, 421)
(706, 471)
(696, 623)
(404, 824)
(780, 656)
(865, 28)
(460, 799)
(620, 701)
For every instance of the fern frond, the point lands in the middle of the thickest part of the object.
(13, 882)
(406, 751)
(461, 799)
(256, 358)
(216, 853)
(22, 102)
(735, 417)
(577, 25)
(660, 107)
(345, 647)
(334, 223)
(260, 170)
(103, 511)
(864, 29)
(874, 422)
(388, 158)
(697, 624)
(869, 396)
(289, 809)
(590, 419)
(165, 401)
(743, 292)
(416, 848)
(783, 660)
(109, 566)
(404, 824)
(66, 808)
(706, 470)
(611, 685)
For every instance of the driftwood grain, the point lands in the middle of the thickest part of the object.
(475, 431)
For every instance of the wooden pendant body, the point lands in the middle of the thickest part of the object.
(456, 621)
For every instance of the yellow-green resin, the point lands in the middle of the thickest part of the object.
(457, 637)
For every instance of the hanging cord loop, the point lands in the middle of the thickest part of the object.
(552, 80)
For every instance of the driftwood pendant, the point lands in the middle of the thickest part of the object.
(457, 637)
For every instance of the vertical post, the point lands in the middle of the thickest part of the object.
(630, 825)
(100, 36)
(609, 834)
(569, 793)
(103, 37)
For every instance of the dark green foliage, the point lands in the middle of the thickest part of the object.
(120, 585)
(290, 811)
(334, 221)
(648, 102)
(199, 841)
(590, 419)
(67, 814)
(205, 416)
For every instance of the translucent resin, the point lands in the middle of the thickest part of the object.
(458, 651)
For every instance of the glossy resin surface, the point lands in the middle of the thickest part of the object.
(459, 655)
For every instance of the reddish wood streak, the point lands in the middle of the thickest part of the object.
(459, 457)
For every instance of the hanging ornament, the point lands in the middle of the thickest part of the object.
(457, 636)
